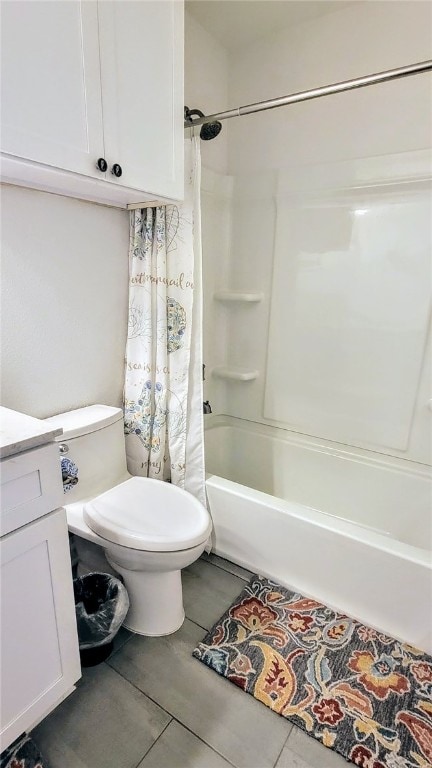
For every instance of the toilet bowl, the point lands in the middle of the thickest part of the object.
(147, 530)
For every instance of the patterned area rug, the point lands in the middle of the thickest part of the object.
(23, 753)
(359, 692)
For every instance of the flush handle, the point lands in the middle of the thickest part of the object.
(63, 448)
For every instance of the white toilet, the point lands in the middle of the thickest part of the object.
(148, 530)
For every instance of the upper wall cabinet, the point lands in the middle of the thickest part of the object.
(141, 49)
(84, 80)
(50, 84)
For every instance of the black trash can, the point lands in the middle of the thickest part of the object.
(101, 605)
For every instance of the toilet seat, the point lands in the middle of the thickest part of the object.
(149, 515)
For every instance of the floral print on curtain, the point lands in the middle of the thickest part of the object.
(163, 353)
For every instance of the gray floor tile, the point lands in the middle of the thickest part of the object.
(122, 636)
(233, 723)
(105, 723)
(208, 591)
(289, 759)
(179, 748)
(315, 754)
(227, 565)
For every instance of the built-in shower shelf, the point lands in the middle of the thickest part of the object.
(237, 296)
(236, 374)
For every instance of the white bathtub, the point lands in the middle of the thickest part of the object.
(347, 527)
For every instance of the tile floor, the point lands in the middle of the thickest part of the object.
(152, 705)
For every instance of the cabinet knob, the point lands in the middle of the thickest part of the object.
(102, 164)
(117, 170)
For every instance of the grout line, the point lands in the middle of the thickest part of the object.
(143, 693)
(227, 570)
(283, 746)
(116, 650)
(155, 742)
(167, 712)
(203, 741)
(173, 717)
(197, 625)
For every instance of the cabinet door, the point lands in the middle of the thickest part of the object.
(50, 83)
(39, 649)
(141, 45)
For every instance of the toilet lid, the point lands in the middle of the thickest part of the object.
(147, 514)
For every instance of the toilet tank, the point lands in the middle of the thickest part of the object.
(93, 438)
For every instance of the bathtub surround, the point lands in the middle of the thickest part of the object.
(329, 187)
(357, 691)
(336, 325)
(163, 380)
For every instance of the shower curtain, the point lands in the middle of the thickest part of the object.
(163, 398)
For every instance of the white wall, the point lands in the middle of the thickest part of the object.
(206, 86)
(360, 39)
(64, 278)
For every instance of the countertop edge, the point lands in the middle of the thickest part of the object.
(26, 443)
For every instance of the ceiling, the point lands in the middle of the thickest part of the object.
(235, 23)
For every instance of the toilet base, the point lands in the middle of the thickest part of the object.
(153, 634)
(156, 601)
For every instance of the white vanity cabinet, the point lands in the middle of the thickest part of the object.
(39, 655)
(84, 81)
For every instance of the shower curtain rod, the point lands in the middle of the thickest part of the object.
(315, 93)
